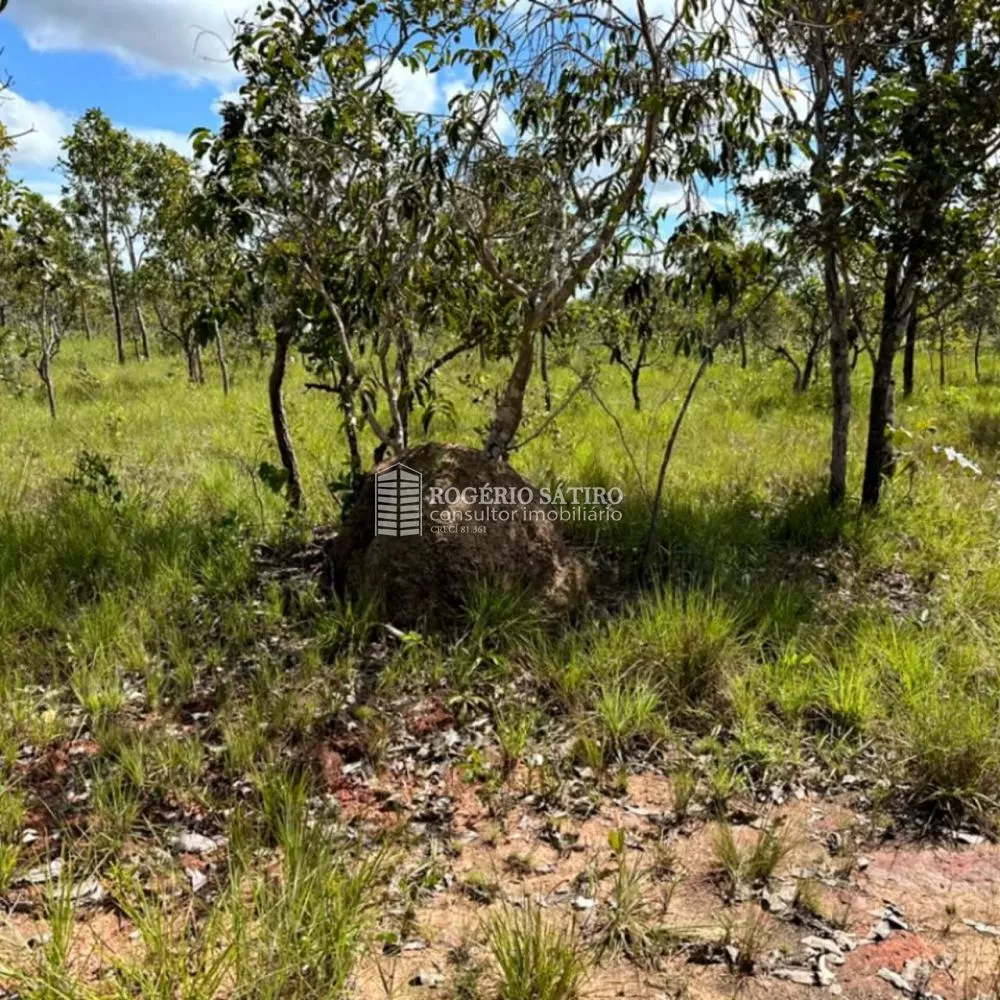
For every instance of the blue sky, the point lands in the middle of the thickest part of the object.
(156, 67)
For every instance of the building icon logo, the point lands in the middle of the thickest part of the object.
(398, 506)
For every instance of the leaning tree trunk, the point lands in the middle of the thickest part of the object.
(282, 434)
(654, 517)
(45, 360)
(510, 410)
(809, 369)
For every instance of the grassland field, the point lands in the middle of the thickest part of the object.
(162, 676)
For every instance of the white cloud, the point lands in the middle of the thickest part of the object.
(49, 186)
(415, 92)
(177, 141)
(668, 194)
(187, 38)
(40, 128)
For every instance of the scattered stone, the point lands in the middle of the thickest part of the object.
(584, 903)
(45, 873)
(822, 945)
(964, 837)
(845, 941)
(895, 979)
(194, 843)
(823, 975)
(804, 977)
(197, 879)
(881, 931)
(430, 978)
(988, 929)
(836, 989)
(90, 892)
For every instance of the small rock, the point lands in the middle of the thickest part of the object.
(973, 839)
(895, 979)
(46, 873)
(821, 944)
(193, 843)
(836, 989)
(988, 929)
(845, 941)
(584, 903)
(823, 975)
(90, 892)
(801, 976)
(881, 931)
(197, 879)
(430, 978)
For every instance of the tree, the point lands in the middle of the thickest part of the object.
(97, 165)
(335, 195)
(930, 111)
(881, 145)
(150, 169)
(809, 57)
(603, 100)
(42, 256)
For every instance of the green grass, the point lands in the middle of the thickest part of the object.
(135, 619)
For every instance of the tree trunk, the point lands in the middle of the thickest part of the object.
(140, 321)
(654, 517)
(109, 264)
(979, 343)
(897, 303)
(544, 360)
(840, 374)
(743, 348)
(636, 398)
(351, 432)
(45, 360)
(86, 320)
(910, 352)
(510, 410)
(636, 372)
(809, 368)
(941, 376)
(220, 354)
(282, 434)
(45, 370)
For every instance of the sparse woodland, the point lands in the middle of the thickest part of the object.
(737, 260)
